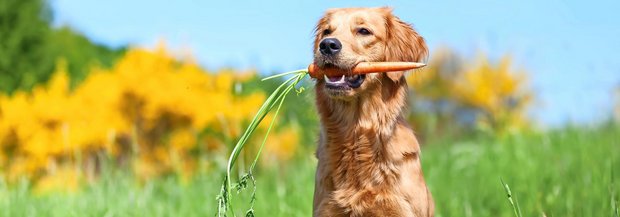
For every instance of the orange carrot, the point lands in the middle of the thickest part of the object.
(364, 68)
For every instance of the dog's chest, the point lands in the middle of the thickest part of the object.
(356, 161)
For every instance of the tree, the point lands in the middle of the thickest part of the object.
(24, 27)
(30, 47)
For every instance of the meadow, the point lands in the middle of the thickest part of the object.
(92, 130)
(565, 172)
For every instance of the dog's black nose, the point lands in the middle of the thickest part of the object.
(330, 46)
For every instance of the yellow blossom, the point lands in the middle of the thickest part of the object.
(149, 104)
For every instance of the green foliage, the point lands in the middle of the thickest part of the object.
(30, 47)
(81, 53)
(24, 27)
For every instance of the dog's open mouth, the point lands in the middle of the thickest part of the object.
(344, 81)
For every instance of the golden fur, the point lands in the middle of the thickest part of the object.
(368, 157)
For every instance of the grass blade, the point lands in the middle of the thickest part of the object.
(513, 203)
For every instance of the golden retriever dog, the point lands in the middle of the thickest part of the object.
(368, 156)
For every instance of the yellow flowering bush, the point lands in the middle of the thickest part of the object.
(149, 112)
(497, 91)
(478, 93)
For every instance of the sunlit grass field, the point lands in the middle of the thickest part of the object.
(569, 172)
(92, 130)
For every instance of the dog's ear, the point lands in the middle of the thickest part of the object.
(320, 26)
(403, 43)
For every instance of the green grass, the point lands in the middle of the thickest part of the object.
(568, 172)
(561, 173)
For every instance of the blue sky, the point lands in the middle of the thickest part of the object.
(569, 47)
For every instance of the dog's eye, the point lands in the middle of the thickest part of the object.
(327, 32)
(364, 31)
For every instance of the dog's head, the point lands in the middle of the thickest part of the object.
(348, 36)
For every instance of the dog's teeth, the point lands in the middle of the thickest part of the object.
(342, 79)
